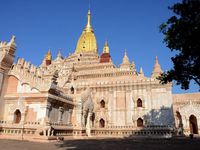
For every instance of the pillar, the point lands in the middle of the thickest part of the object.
(60, 114)
(69, 121)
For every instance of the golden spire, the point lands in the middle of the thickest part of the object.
(88, 27)
(87, 41)
(48, 56)
(106, 47)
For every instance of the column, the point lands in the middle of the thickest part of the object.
(69, 121)
(48, 109)
(60, 114)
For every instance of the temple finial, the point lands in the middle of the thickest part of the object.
(141, 71)
(88, 26)
(125, 61)
(156, 59)
(106, 47)
(48, 56)
(157, 69)
(12, 40)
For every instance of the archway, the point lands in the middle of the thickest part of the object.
(72, 90)
(179, 117)
(101, 123)
(17, 116)
(139, 102)
(102, 104)
(193, 124)
(179, 123)
(140, 122)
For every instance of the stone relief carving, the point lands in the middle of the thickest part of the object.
(189, 109)
(19, 104)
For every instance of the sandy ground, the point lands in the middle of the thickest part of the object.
(105, 144)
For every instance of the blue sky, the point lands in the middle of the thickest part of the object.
(132, 24)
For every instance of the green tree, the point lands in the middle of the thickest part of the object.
(182, 36)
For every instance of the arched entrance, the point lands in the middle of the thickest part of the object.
(101, 123)
(139, 102)
(17, 116)
(179, 123)
(193, 125)
(102, 104)
(140, 122)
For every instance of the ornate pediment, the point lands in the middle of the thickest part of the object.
(189, 109)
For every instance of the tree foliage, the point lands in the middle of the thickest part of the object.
(182, 36)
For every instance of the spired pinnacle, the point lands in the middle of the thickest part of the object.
(12, 40)
(125, 59)
(141, 71)
(132, 66)
(48, 56)
(125, 62)
(88, 26)
(59, 54)
(157, 69)
(106, 47)
(105, 56)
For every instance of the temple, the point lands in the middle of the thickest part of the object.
(86, 94)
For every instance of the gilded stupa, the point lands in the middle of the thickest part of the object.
(87, 41)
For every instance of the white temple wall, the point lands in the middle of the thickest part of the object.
(41, 111)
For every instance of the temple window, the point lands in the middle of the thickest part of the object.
(102, 104)
(140, 122)
(101, 123)
(139, 102)
(17, 116)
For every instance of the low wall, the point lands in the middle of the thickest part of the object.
(31, 130)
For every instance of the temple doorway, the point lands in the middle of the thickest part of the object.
(101, 123)
(193, 124)
(17, 116)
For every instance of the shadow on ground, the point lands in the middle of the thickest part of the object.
(131, 144)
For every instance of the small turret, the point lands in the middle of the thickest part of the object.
(105, 56)
(48, 57)
(125, 62)
(156, 70)
(7, 54)
(59, 54)
(132, 67)
(59, 57)
(106, 48)
(141, 74)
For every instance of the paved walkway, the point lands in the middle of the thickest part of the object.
(105, 144)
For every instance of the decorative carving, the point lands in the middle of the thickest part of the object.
(19, 104)
(190, 108)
